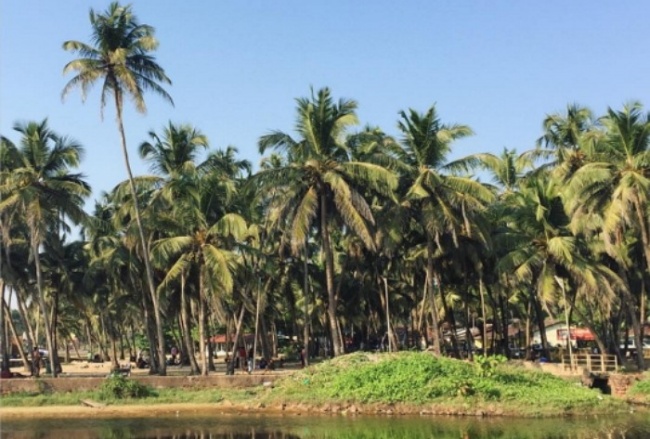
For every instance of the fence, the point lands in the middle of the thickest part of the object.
(591, 362)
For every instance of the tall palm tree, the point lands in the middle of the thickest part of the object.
(615, 185)
(119, 56)
(324, 183)
(435, 198)
(43, 190)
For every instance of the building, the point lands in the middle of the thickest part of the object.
(556, 335)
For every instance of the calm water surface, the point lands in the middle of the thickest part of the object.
(289, 427)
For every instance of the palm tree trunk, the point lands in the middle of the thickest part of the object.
(450, 315)
(238, 323)
(329, 279)
(435, 328)
(481, 288)
(202, 344)
(539, 314)
(22, 310)
(305, 289)
(14, 334)
(266, 348)
(257, 321)
(162, 365)
(187, 339)
(41, 301)
(5, 345)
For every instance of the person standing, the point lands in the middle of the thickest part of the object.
(251, 361)
(36, 362)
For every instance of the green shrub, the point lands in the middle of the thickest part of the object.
(116, 386)
(486, 365)
(642, 388)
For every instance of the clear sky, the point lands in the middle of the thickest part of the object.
(237, 66)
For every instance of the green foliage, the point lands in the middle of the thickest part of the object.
(420, 378)
(160, 396)
(486, 365)
(116, 386)
(641, 389)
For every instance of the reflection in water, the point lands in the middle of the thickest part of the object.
(222, 426)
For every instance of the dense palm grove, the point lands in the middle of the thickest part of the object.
(344, 235)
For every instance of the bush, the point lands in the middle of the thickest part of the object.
(642, 388)
(119, 387)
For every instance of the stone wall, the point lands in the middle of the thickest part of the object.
(67, 384)
(621, 383)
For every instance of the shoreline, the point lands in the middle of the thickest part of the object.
(283, 409)
(121, 411)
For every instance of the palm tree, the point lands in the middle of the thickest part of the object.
(323, 183)
(435, 198)
(615, 185)
(568, 139)
(43, 190)
(119, 55)
(175, 151)
(507, 169)
(540, 250)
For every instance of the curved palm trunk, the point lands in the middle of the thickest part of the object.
(450, 315)
(162, 365)
(435, 328)
(235, 343)
(14, 334)
(41, 303)
(187, 341)
(329, 279)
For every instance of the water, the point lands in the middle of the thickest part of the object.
(223, 426)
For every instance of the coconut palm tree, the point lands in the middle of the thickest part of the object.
(119, 56)
(43, 190)
(615, 185)
(323, 183)
(507, 169)
(568, 140)
(434, 197)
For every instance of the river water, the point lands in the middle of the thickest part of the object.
(340, 427)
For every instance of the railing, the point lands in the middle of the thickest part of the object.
(591, 362)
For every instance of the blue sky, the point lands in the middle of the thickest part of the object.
(237, 67)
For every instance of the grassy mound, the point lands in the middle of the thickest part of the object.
(422, 379)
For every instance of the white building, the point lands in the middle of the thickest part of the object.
(556, 335)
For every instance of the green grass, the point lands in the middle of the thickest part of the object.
(641, 389)
(421, 379)
(160, 396)
(408, 378)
